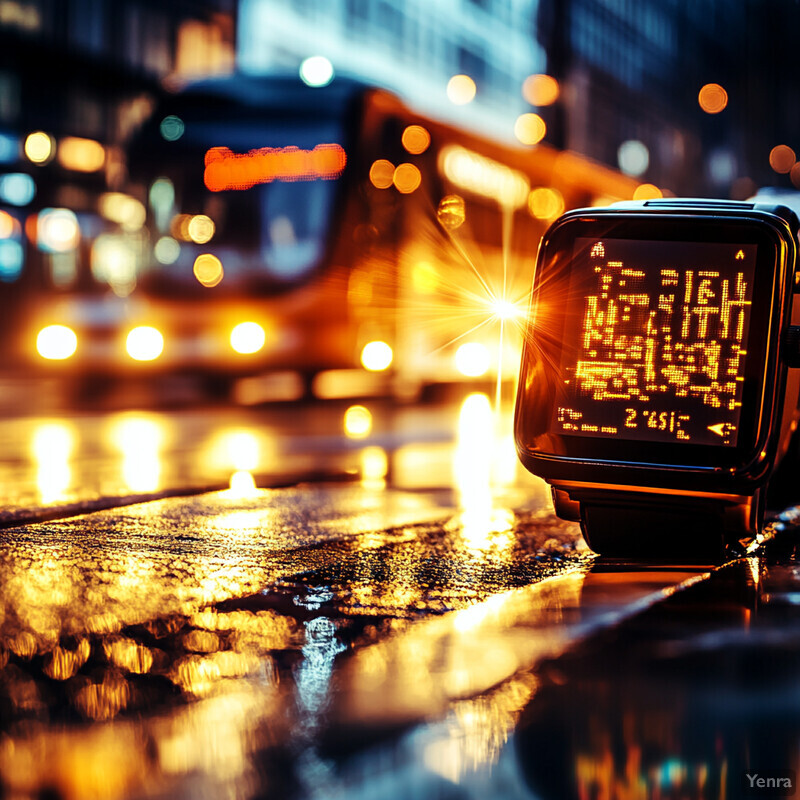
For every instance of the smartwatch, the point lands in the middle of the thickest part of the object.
(656, 392)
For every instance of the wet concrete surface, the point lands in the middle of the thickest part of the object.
(421, 626)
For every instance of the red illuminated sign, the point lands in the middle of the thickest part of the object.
(226, 170)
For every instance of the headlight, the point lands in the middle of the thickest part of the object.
(376, 356)
(144, 343)
(56, 342)
(248, 337)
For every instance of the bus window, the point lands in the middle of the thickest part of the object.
(295, 224)
(267, 182)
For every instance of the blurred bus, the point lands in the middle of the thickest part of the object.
(329, 233)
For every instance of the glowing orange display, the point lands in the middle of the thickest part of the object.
(661, 347)
(226, 170)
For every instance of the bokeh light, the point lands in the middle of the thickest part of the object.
(144, 343)
(530, 129)
(172, 128)
(545, 203)
(81, 155)
(56, 342)
(633, 157)
(123, 209)
(376, 356)
(201, 229)
(473, 359)
(208, 270)
(451, 211)
(461, 90)
(712, 98)
(17, 188)
(57, 230)
(316, 71)
(416, 139)
(357, 422)
(40, 147)
(647, 191)
(167, 250)
(381, 173)
(8, 225)
(407, 178)
(248, 337)
(794, 175)
(540, 90)
(782, 158)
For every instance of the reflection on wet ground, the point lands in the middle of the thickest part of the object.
(149, 618)
(421, 627)
(684, 700)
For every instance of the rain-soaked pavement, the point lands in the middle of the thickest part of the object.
(361, 602)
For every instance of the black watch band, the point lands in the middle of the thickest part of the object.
(634, 524)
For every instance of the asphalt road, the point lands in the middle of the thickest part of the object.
(326, 601)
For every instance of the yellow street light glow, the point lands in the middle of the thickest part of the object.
(200, 229)
(248, 337)
(381, 173)
(40, 147)
(81, 155)
(144, 343)
(530, 128)
(407, 178)
(647, 191)
(208, 270)
(416, 139)
(56, 342)
(484, 176)
(357, 422)
(473, 359)
(461, 90)
(376, 356)
(712, 98)
(540, 90)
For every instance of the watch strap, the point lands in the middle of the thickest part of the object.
(661, 527)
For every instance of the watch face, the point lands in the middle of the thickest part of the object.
(649, 340)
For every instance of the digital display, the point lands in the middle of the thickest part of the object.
(655, 341)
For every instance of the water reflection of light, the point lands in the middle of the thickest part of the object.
(236, 454)
(52, 447)
(357, 422)
(474, 456)
(242, 484)
(472, 738)
(140, 439)
(374, 467)
(314, 673)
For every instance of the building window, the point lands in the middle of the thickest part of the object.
(87, 25)
(472, 64)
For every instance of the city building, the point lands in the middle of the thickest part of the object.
(412, 47)
(633, 74)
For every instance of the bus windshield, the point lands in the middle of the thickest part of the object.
(239, 197)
